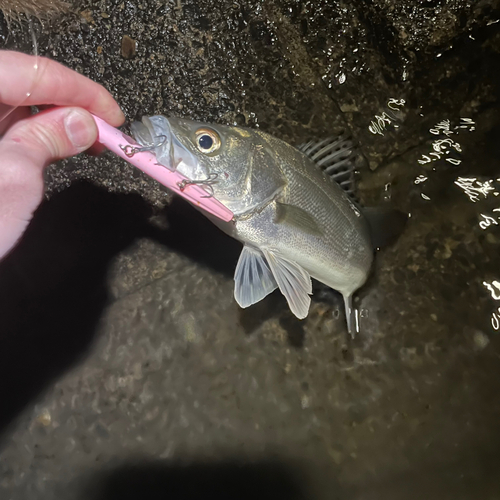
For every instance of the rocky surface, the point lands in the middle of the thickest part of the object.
(126, 368)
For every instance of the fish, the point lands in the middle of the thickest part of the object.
(295, 209)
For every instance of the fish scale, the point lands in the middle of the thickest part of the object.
(342, 257)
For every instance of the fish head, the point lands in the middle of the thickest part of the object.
(236, 162)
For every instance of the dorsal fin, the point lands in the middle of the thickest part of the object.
(336, 157)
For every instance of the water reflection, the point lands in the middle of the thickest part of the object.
(445, 154)
(488, 220)
(445, 145)
(478, 191)
(494, 288)
(420, 179)
(474, 188)
(387, 117)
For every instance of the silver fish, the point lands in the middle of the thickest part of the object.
(295, 221)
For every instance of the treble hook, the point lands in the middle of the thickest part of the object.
(130, 150)
(208, 183)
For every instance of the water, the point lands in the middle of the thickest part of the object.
(121, 340)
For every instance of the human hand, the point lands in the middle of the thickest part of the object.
(31, 142)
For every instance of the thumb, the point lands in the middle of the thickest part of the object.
(28, 147)
(52, 134)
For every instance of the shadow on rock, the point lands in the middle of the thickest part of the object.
(193, 235)
(253, 317)
(273, 306)
(53, 286)
(203, 481)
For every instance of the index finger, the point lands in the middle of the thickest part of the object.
(30, 81)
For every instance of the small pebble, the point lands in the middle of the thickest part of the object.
(44, 418)
(128, 47)
(87, 15)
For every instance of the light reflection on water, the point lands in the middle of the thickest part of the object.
(388, 117)
(474, 188)
(445, 147)
(494, 288)
(478, 191)
(495, 320)
(445, 154)
(488, 220)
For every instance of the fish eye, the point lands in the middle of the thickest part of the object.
(207, 140)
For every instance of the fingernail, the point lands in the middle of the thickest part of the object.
(81, 129)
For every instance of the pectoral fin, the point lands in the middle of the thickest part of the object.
(293, 281)
(260, 273)
(253, 278)
(298, 218)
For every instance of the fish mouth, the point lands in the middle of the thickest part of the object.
(160, 135)
(155, 134)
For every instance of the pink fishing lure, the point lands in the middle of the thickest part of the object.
(121, 144)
